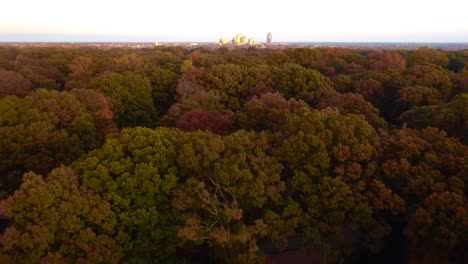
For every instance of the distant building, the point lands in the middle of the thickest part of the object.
(239, 38)
(252, 41)
(222, 41)
(269, 38)
(243, 40)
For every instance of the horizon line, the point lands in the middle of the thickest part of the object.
(215, 42)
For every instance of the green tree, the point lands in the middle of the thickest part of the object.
(169, 189)
(306, 57)
(428, 55)
(355, 104)
(40, 132)
(222, 203)
(328, 158)
(137, 172)
(332, 187)
(291, 79)
(130, 98)
(343, 83)
(231, 81)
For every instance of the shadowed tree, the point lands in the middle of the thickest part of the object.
(428, 170)
(372, 90)
(460, 82)
(163, 83)
(451, 117)
(457, 64)
(440, 223)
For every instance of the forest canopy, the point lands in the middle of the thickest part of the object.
(176, 155)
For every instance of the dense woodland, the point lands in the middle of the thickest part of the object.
(171, 155)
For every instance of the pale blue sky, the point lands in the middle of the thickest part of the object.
(209, 20)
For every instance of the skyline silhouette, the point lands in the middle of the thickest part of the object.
(206, 21)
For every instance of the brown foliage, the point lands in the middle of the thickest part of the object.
(12, 83)
(56, 220)
(386, 60)
(80, 72)
(353, 68)
(431, 76)
(419, 95)
(99, 107)
(191, 96)
(372, 90)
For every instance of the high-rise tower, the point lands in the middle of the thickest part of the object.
(269, 38)
(239, 38)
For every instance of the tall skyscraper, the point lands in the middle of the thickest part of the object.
(243, 40)
(238, 38)
(269, 38)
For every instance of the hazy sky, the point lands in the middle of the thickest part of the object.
(206, 20)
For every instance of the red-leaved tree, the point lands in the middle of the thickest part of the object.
(213, 121)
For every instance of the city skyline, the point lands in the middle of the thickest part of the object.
(205, 21)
